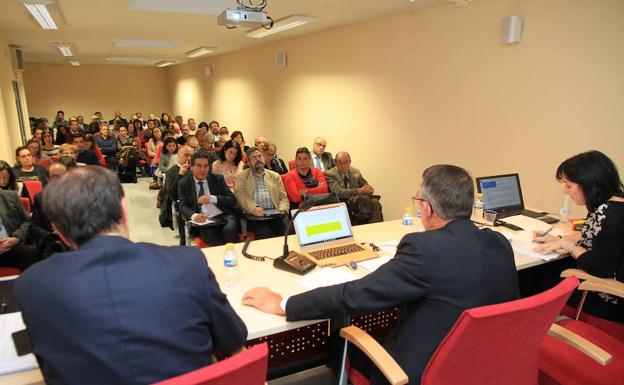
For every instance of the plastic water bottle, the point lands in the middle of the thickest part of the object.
(408, 218)
(477, 207)
(564, 213)
(230, 265)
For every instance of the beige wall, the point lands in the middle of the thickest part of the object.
(10, 135)
(436, 86)
(86, 89)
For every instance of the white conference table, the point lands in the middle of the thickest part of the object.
(254, 273)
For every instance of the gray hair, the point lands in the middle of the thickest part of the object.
(450, 191)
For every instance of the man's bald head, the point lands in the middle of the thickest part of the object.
(56, 169)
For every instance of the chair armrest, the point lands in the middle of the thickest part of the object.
(581, 344)
(609, 286)
(380, 357)
(578, 273)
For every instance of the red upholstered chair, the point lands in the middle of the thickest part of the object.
(9, 271)
(26, 204)
(246, 368)
(614, 329)
(291, 164)
(489, 345)
(34, 187)
(602, 363)
(43, 162)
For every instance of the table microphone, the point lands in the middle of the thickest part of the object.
(291, 260)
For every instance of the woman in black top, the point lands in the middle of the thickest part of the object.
(591, 179)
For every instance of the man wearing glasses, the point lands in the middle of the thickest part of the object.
(434, 276)
(261, 195)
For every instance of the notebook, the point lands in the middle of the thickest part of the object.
(503, 194)
(326, 237)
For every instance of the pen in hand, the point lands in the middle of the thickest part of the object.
(545, 233)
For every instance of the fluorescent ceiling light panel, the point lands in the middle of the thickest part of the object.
(200, 51)
(280, 25)
(135, 43)
(39, 10)
(164, 63)
(65, 48)
(74, 62)
(201, 7)
(129, 58)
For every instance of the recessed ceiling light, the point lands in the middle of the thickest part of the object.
(65, 48)
(129, 58)
(137, 43)
(280, 25)
(200, 51)
(39, 10)
(164, 63)
(74, 62)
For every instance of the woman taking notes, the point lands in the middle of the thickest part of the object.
(592, 180)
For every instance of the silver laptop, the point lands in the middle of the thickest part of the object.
(325, 236)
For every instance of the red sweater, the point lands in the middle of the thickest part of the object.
(294, 184)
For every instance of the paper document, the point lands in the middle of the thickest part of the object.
(529, 224)
(207, 221)
(326, 277)
(375, 263)
(388, 247)
(525, 247)
(10, 362)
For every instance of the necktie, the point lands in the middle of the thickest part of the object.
(317, 161)
(201, 188)
(346, 181)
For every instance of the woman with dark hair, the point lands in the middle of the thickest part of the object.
(230, 162)
(89, 144)
(7, 177)
(127, 156)
(48, 147)
(169, 148)
(591, 179)
(303, 179)
(164, 120)
(238, 136)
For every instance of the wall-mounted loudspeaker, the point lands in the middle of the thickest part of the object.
(280, 59)
(208, 70)
(512, 29)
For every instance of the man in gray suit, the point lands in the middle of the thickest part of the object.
(351, 187)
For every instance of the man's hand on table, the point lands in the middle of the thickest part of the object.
(264, 299)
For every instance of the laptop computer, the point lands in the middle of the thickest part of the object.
(503, 194)
(326, 237)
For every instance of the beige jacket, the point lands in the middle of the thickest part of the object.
(244, 186)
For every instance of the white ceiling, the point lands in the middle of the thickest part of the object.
(99, 29)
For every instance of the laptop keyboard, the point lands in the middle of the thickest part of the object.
(336, 251)
(527, 213)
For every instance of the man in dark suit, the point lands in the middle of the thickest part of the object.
(172, 177)
(14, 227)
(205, 196)
(351, 187)
(113, 311)
(434, 276)
(321, 159)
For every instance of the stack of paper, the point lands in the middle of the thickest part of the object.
(525, 247)
(10, 362)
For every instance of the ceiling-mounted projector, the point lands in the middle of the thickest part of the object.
(242, 17)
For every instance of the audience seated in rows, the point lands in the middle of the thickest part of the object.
(303, 179)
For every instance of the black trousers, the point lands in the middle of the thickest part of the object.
(268, 228)
(220, 235)
(20, 256)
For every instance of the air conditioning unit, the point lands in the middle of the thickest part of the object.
(17, 63)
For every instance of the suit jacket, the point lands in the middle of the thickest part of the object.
(336, 184)
(117, 312)
(244, 188)
(327, 159)
(434, 276)
(13, 215)
(88, 157)
(172, 177)
(188, 195)
(40, 226)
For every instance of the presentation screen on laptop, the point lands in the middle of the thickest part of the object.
(323, 224)
(501, 192)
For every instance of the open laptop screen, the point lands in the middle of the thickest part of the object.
(323, 224)
(501, 192)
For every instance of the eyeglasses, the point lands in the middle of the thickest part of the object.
(417, 198)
